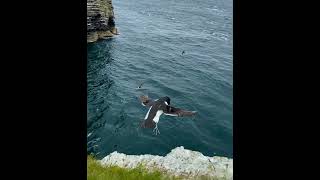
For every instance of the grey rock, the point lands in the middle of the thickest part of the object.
(179, 162)
(100, 20)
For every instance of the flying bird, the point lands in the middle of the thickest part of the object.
(157, 108)
(140, 86)
(182, 52)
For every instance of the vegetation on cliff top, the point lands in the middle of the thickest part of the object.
(97, 172)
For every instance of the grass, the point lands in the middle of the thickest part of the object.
(97, 172)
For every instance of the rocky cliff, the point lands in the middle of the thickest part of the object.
(179, 162)
(100, 20)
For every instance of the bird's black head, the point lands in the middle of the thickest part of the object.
(167, 99)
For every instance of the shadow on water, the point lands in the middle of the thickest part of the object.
(99, 83)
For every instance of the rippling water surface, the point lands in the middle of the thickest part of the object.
(153, 35)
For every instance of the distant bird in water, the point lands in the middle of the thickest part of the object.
(157, 108)
(182, 52)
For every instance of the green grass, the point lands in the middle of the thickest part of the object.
(97, 172)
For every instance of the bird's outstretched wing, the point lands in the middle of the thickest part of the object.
(172, 111)
(146, 101)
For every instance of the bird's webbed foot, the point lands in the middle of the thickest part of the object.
(156, 130)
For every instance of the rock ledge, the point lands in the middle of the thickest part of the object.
(179, 162)
(100, 20)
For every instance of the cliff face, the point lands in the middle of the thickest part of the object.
(100, 20)
(179, 162)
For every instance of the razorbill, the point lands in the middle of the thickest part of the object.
(157, 108)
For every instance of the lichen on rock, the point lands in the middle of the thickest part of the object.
(179, 162)
(100, 20)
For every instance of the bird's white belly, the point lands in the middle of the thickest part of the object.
(157, 116)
